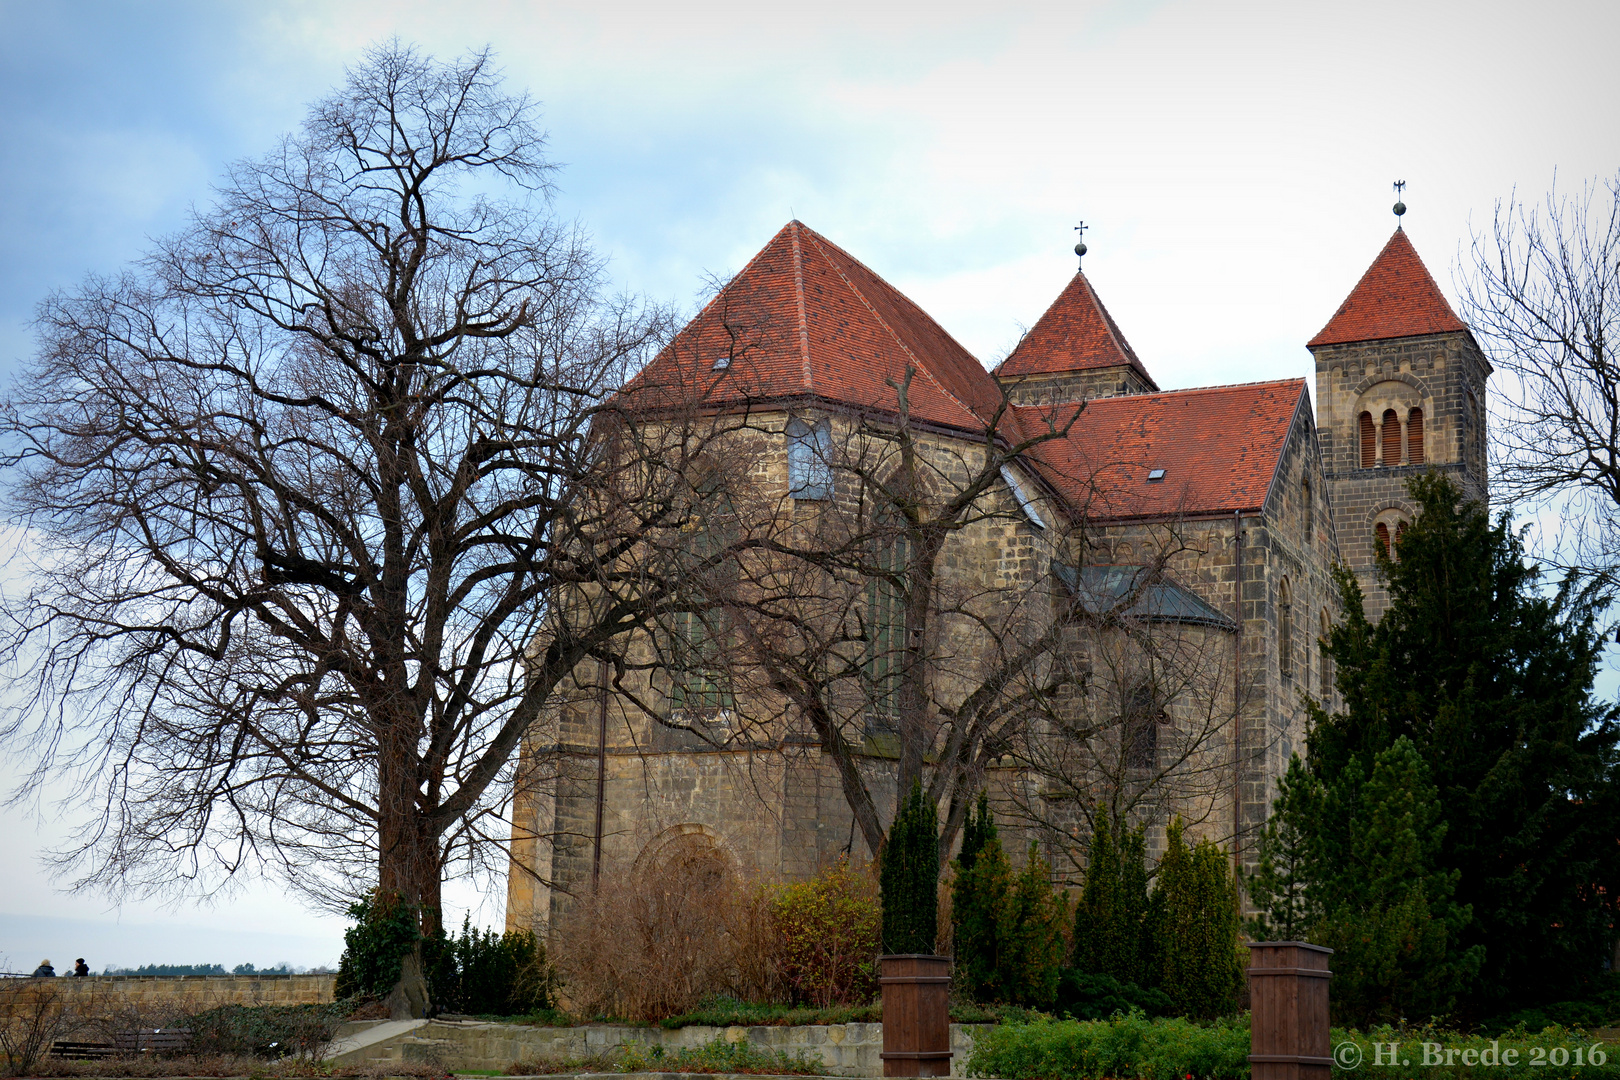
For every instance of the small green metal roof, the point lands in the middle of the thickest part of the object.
(1103, 589)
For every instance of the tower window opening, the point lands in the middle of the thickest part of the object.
(1369, 442)
(1382, 533)
(1414, 437)
(1392, 438)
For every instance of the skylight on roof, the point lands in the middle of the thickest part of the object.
(1155, 476)
(721, 363)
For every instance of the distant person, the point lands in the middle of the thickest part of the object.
(44, 971)
(80, 968)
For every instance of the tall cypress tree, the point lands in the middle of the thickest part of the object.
(1287, 908)
(1109, 920)
(1031, 936)
(1194, 928)
(1489, 675)
(910, 877)
(984, 878)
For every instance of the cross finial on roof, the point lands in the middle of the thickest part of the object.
(1400, 207)
(1080, 248)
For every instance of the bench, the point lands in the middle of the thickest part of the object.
(82, 1051)
(149, 1040)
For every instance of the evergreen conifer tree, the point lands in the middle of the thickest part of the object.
(1031, 936)
(1280, 885)
(1390, 918)
(1490, 677)
(1109, 920)
(984, 879)
(910, 877)
(1194, 928)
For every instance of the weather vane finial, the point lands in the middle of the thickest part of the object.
(1080, 248)
(1400, 207)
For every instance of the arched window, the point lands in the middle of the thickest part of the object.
(1400, 531)
(1392, 438)
(809, 448)
(1414, 437)
(1325, 673)
(1369, 442)
(1382, 533)
(1285, 629)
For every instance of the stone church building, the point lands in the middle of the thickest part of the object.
(1242, 497)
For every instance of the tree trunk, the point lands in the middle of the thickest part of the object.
(408, 867)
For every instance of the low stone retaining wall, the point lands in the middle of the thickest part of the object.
(844, 1049)
(157, 994)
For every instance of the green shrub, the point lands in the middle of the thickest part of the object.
(1085, 995)
(385, 929)
(984, 880)
(828, 931)
(722, 1011)
(489, 974)
(718, 1056)
(268, 1031)
(910, 877)
(1129, 1045)
(1031, 935)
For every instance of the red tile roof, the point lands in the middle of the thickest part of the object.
(1219, 448)
(1075, 334)
(805, 319)
(1395, 298)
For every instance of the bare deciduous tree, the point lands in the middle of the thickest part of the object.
(1542, 292)
(300, 491)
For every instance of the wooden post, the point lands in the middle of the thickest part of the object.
(916, 1015)
(1288, 1011)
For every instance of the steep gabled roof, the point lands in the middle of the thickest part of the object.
(805, 319)
(1219, 448)
(1395, 298)
(1075, 334)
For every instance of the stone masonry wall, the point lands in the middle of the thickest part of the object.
(158, 995)
(1076, 385)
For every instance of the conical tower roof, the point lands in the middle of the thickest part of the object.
(1395, 298)
(1075, 334)
(805, 320)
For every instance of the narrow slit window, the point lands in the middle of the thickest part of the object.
(1392, 438)
(1285, 629)
(1414, 437)
(1325, 672)
(1369, 442)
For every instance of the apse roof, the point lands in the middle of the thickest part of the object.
(1104, 590)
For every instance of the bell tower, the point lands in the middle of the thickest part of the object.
(1400, 387)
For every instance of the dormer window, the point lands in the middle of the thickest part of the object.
(1155, 476)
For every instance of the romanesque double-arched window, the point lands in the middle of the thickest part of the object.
(1369, 441)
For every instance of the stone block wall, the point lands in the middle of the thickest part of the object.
(1445, 375)
(159, 995)
(1076, 385)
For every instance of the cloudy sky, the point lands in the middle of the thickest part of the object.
(1233, 161)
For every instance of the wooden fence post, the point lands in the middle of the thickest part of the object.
(1288, 1011)
(916, 1015)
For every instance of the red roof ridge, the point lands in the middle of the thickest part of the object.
(1395, 298)
(798, 289)
(920, 365)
